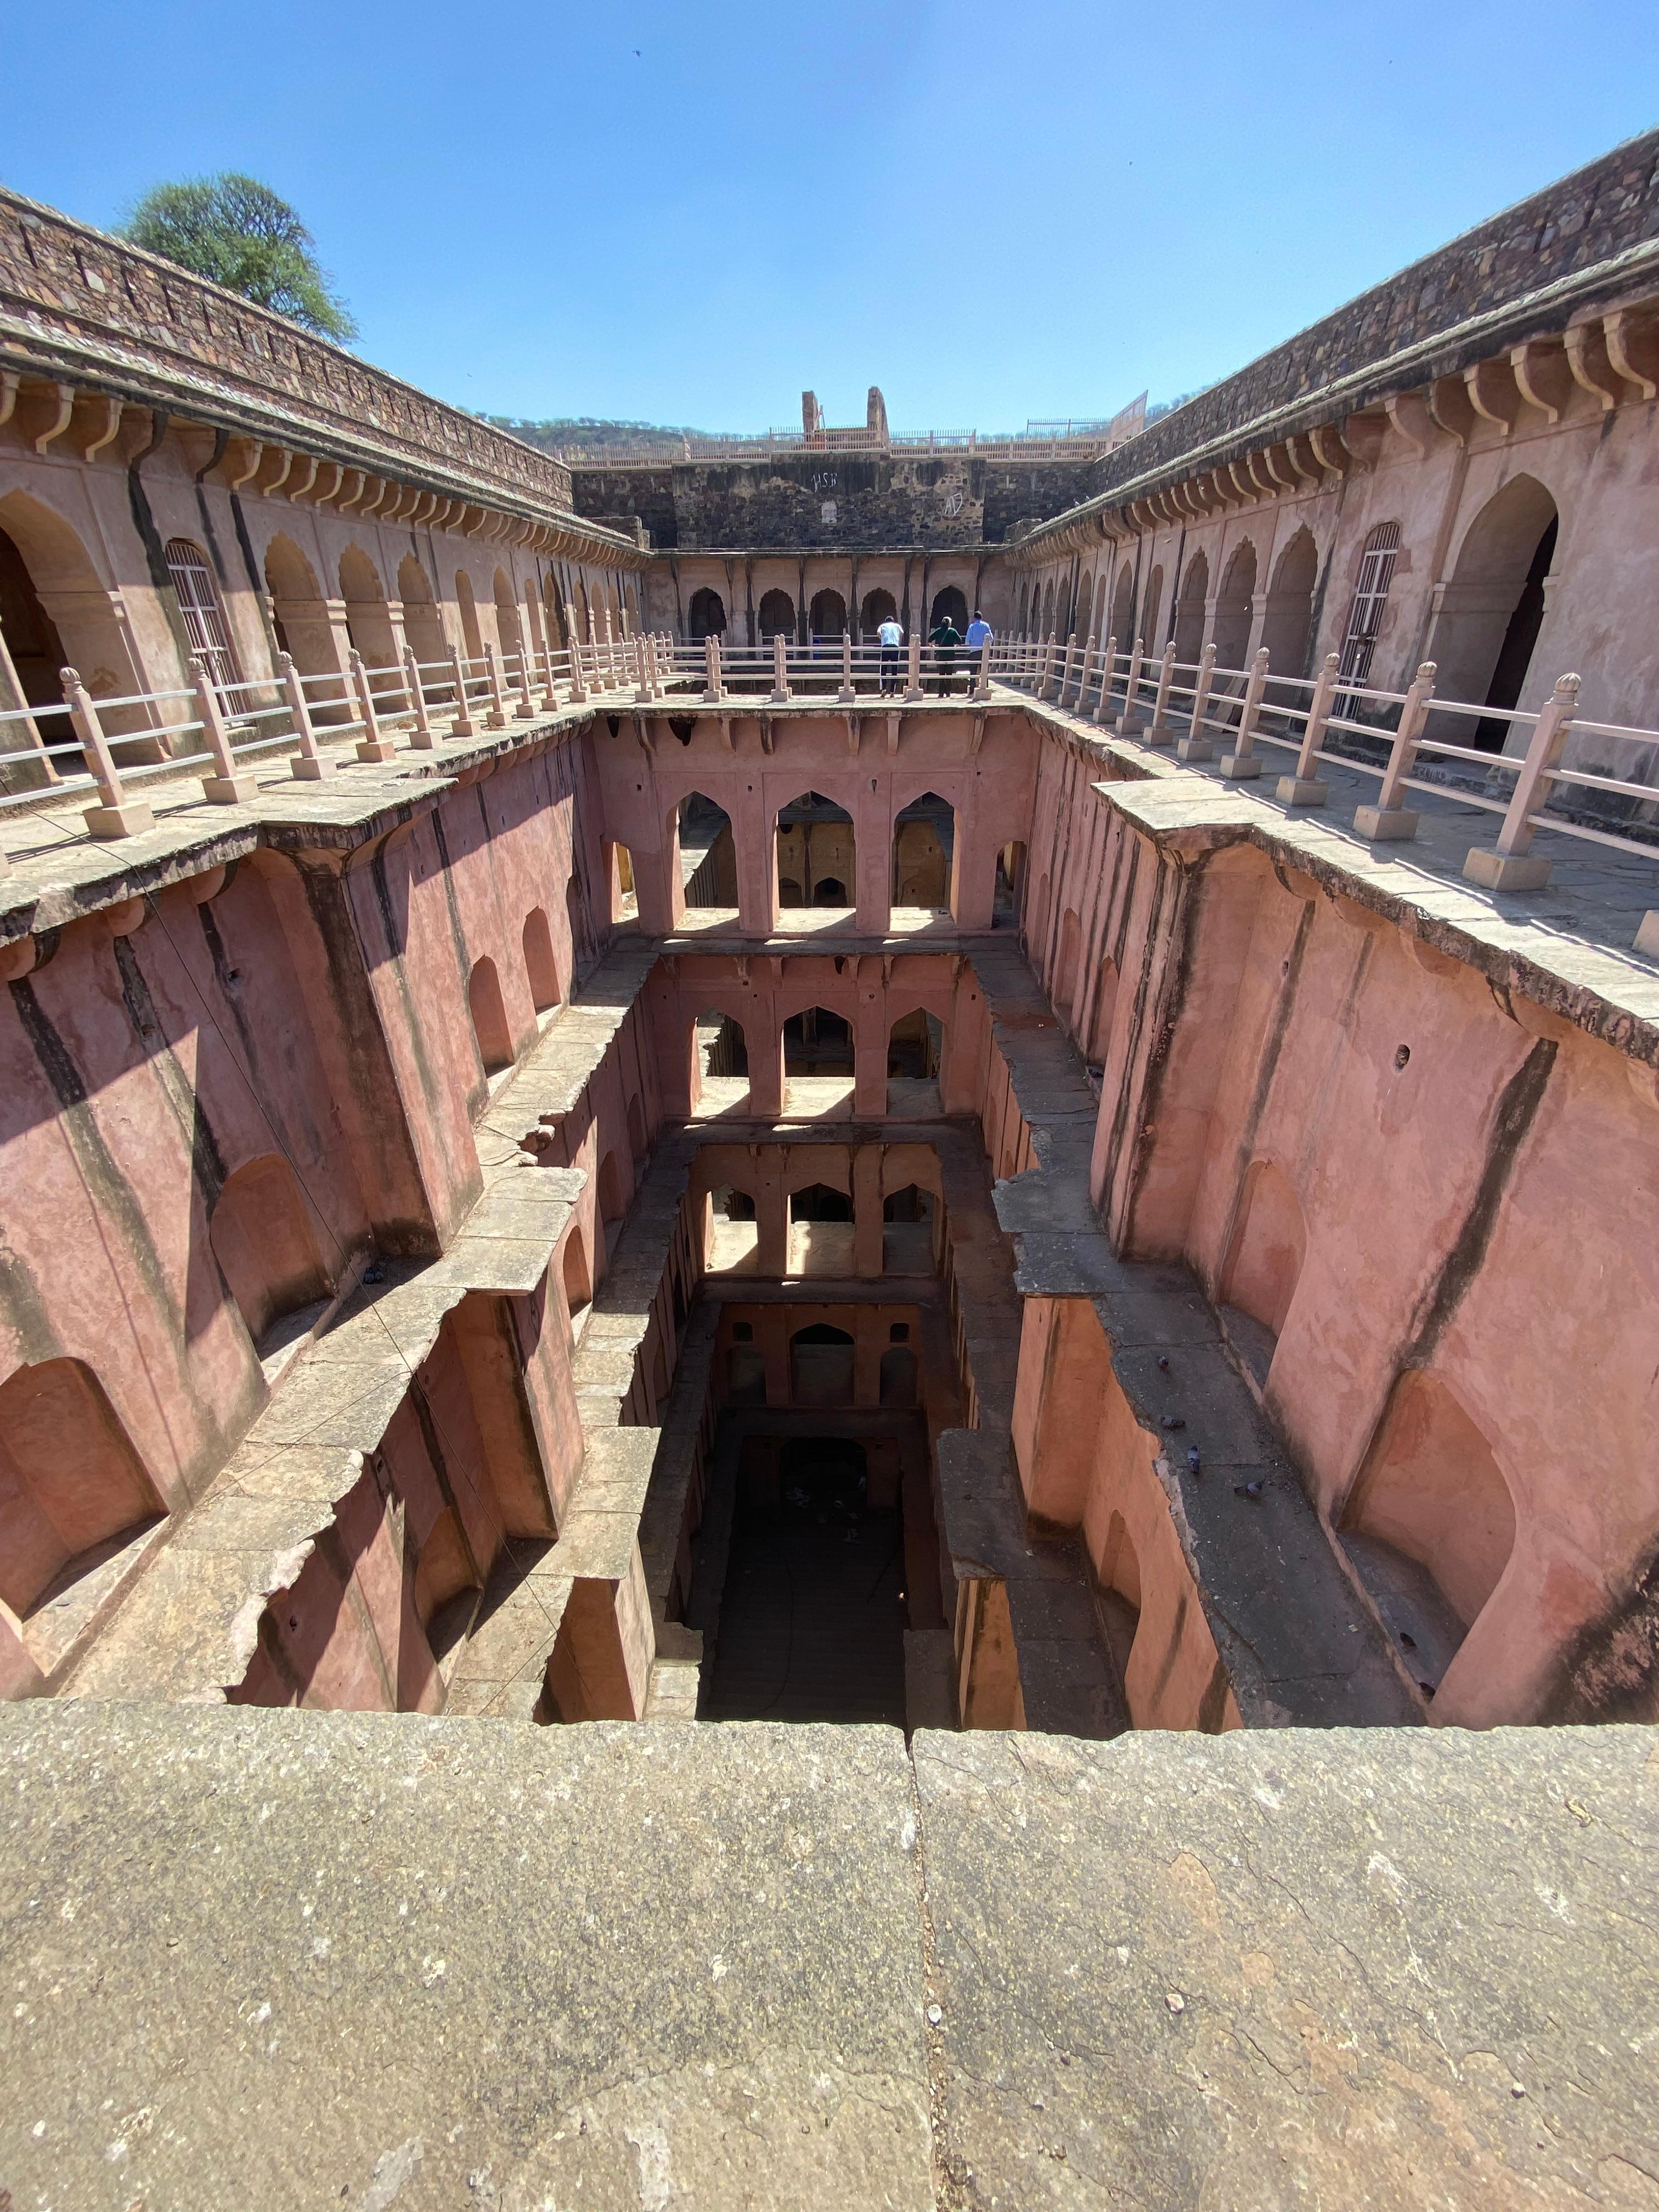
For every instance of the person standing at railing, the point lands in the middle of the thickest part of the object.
(890, 637)
(980, 634)
(945, 637)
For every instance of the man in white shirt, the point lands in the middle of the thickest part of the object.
(892, 638)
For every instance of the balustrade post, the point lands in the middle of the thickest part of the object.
(644, 690)
(1243, 762)
(496, 718)
(549, 695)
(1304, 789)
(422, 739)
(308, 765)
(848, 694)
(578, 688)
(912, 673)
(780, 668)
(1107, 668)
(371, 746)
(117, 816)
(1197, 745)
(714, 688)
(983, 682)
(1127, 725)
(1050, 650)
(1388, 820)
(463, 725)
(224, 787)
(1157, 732)
(1511, 865)
(612, 671)
(524, 711)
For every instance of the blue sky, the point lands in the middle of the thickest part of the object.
(994, 211)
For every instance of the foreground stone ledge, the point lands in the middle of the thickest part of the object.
(274, 1958)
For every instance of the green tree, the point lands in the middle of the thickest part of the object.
(238, 232)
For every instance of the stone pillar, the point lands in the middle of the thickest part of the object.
(764, 1042)
(867, 1210)
(873, 831)
(772, 1221)
(973, 865)
(870, 1041)
(653, 888)
(755, 850)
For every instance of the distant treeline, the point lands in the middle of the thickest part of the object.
(591, 432)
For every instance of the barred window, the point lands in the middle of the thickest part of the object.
(1370, 597)
(199, 603)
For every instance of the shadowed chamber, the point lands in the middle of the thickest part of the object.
(811, 1625)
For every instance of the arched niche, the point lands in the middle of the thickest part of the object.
(55, 602)
(1103, 593)
(368, 619)
(776, 616)
(422, 624)
(827, 616)
(1151, 610)
(878, 606)
(1124, 607)
(507, 629)
(304, 625)
(612, 1200)
(915, 1053)
(817, 853)
(923, 852)
(575, 1274)
(910, 1242)
(1047, 630)
(706, 616)
(818, 1062)
(1067, 955)
(720, 1063)
(1232, 607)
(1010, 883)
(488, 1011)
(466, 605)
(264, 1235)
(709, 858)
(541, 964)
(821, 1367)
(731, 1232)
(1086, 604)
(1289, 616)
(820, 1230)
(1493, 608)
(950, 605)
(1103, 1006)
(1189, 610)
(1430, 1523)
(1263, 1265)
(1118, 1571)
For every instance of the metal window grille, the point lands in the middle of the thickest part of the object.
(1370, 597)
(198, 603)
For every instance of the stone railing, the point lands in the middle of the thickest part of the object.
(78, 304)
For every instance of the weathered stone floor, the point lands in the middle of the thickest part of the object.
(305, 1958)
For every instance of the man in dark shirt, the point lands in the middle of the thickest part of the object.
(945, 637)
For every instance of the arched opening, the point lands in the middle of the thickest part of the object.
(368, 619)
(262, 1234)
(827, 614)
(731, 1239)
(1085, 606)
(821, 1367)
(1010, 883)
(1232, 608)
(950, 605)
(57, 605)
(304, 627)
(878, 607)
(422, 624)
(1494, 606)
(706, 616)
(576, 1276)
(816, 859)
(639, 1142)
(1189, 610)
(1066, 960)
(817, 1062)
(776, 615)
(1264, 1260)
(1047, 630)
(1289, 614)
(1119, 1577)
(1025, 610)
(909, 1226)
(1370, 599)
(488, 1011)
(708, 858)
(575, 908)
(1123, 608)
(720, 1063)
(1102, 590)
(924, 849)
(466, 603)
(1430, 1524)
(898, 1376)
(197, 590)
(541, 966)
(820, 1231)
(612, 1204)
(1098, 1025)
(619, 869)
(74, 1495)
(507, 614)
(31, 636)
(1149, 612)
(915, 1045)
